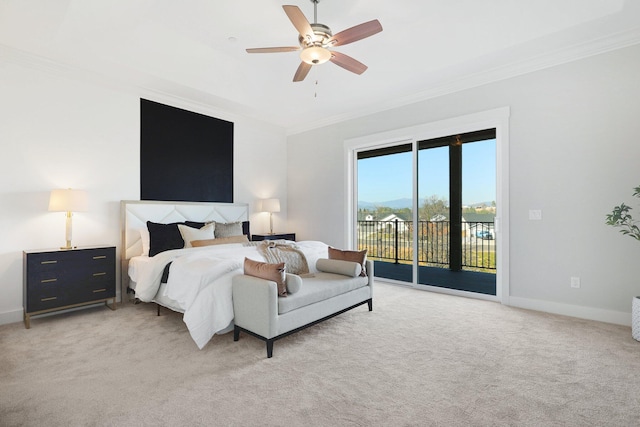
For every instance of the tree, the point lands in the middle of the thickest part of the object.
(432, 207)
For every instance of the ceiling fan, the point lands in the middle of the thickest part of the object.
(316, 39)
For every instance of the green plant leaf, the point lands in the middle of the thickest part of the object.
(621, 217)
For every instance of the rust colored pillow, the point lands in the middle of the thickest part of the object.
(354, 256)
(274, 272)
(219, 241)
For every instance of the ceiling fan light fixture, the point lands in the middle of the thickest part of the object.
(315, 55)
(315, 39)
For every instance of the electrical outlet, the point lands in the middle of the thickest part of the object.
(575, 282)
(535, 214)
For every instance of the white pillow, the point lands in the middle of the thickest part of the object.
(146, 241)
(190, 233)
(294, 283)
(337, 266)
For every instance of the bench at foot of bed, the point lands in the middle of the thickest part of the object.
(260, 312)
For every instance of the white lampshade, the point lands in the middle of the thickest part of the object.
(271, 205)
(68, 200)
(315, 55)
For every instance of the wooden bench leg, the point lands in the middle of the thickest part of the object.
(269, 348)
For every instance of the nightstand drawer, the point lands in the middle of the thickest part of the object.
(98, 292)
(275, 236)
(47, 261)
(45, 302)
(45, 296)
(100, 275)
(99, 257)
(48, 278)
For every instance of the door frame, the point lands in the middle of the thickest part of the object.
(497, 118)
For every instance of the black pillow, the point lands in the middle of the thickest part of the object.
(164, 237)
(194, 224)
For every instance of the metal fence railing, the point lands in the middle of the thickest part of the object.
(392, 241)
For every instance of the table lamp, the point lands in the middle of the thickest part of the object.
(68, 201)
(271, 206)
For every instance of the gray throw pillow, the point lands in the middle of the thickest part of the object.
(228, 229)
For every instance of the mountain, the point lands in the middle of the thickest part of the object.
(405, 203)
(393, 204)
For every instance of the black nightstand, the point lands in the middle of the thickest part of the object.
(58, 279)
(275, 236)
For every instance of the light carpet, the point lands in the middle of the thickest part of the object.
(419, 358)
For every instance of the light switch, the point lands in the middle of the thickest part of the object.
(535, 214)
(575, 282)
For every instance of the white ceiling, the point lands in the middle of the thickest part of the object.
(195, 49)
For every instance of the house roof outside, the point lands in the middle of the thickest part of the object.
(466, 217)
(478, 217)
(393, 217)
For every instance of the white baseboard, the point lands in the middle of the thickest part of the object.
(17, 315)
(12, 316)
(589, 313)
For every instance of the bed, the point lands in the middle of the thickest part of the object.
(198, 280)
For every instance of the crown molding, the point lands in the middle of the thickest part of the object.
(451, 82)
(549, 59)
(159, 90)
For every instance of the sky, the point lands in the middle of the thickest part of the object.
(386, 178)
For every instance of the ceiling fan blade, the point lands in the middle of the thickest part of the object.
(301, 72)
(298, 20)
(348, 63)
(356, 33)
(273, 49)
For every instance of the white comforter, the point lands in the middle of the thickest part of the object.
(200, 282)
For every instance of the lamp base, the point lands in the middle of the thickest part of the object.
(68, 233)
(270, 223)
(68, 247)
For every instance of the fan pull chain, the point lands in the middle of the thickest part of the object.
(315, 95)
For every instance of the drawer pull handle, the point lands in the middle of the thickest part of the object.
(48, 262)
(48, 280)
(99, 274)
(95, 291)
(100, 257)
(48, 299)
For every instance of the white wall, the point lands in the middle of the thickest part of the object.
(574, 150)
(59, 131)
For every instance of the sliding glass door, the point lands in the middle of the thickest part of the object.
(385, 209)
(457, 192)
(427, 210)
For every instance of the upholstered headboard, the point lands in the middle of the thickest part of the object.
(135, 214)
